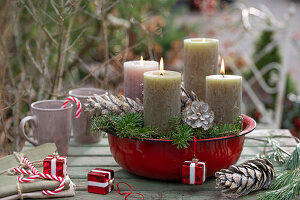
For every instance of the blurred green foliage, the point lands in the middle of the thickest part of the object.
(53, 46)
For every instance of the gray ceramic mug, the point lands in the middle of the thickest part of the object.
(50, 123)
(81, 125)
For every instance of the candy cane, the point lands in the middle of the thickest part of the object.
(30, 165)
(57, 190)
(37, 175)
(77, 102)
(28, 179)
(23, 171)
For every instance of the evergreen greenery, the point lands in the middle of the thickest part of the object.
(131, 125)
(287, 185)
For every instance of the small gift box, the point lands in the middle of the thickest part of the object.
(55, 165)
(100, 181)
(193, 172)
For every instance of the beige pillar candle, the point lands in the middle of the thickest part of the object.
(200, 60)
(224, 96)
(161, 98)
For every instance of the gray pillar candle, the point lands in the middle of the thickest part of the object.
(200, 60)
(224, 96)
(161, 98)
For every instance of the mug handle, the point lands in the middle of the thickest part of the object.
(22, 129)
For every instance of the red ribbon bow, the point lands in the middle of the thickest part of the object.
(127, 193)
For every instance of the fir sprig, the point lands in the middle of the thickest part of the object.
(287, 185)
(131, 125)
(180, 132)
(221, 130)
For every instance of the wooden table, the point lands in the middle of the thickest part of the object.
(83, 158)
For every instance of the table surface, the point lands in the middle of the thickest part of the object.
(83, 158)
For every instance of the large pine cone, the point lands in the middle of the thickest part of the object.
(108, 103)
(249, 176)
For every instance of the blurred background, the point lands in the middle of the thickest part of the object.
(49, 47)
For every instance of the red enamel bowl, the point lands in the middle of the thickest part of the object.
(160, 159)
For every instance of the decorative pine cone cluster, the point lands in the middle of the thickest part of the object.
(247, 177)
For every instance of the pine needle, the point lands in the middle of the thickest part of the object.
(287, 185)
(293, 161)
(283, 180)
(279, 154)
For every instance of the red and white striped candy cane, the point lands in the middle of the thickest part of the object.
(28, 179)
(30, 165)
(23, 171)
(47, 177)
(77, 102)
(57, 190)
(37, 175)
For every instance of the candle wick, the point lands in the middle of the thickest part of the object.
(161, 74)
(223, 75)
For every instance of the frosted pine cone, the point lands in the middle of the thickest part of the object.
(198, 114)
(239, 180)
(108, 103)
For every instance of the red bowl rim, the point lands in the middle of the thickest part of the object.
(249, 128)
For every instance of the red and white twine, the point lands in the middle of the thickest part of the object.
(35, 174)
(77, 102)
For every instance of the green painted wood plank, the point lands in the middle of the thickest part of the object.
(267, 132)
(144, 184)
(92, 162)
(157, 195)
(81, 172)
(89, 151)
(102, 143)
(85, 151)
(259, 149)
(282, 141)
(160, 195)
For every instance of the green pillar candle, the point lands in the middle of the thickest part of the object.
(224, 96)
(200, 60)
(161, 98)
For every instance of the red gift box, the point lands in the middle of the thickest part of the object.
(55, 165)
(100, 181)
(193, 172)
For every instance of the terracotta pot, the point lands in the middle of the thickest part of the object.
(160, 159)
(81, 125)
